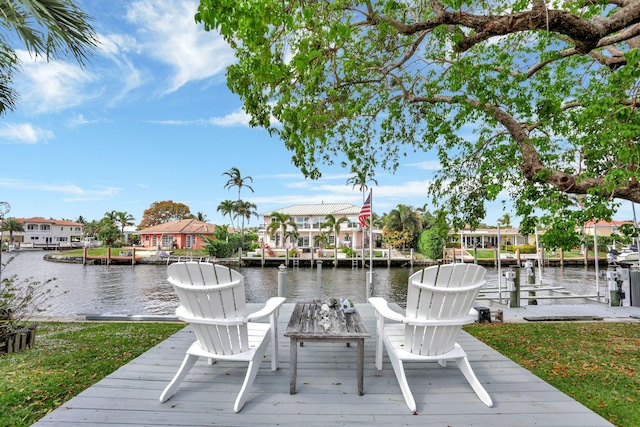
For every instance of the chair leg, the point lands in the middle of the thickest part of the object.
(467, 371)
(398, 368)
(252, 370)
(186, 366)
(274, 344)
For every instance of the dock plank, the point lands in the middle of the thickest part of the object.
(326, 392)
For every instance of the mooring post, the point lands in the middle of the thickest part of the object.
(319, 281)
(282, 281)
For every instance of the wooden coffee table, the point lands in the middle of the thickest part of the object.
(306, 325)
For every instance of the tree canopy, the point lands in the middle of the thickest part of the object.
(163, 212)
(49, 29)
(521, 100)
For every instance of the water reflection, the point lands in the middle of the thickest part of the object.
(143, 289)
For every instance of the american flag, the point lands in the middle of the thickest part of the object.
(365, 212)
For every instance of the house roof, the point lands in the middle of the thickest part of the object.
(40, 220)
(185, 226)
(491, 231)
(318, 209)
(607, 223)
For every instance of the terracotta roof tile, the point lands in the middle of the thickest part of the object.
(186, 226)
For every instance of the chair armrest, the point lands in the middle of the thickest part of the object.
(445, 322)
(270, 307)
(382, 307)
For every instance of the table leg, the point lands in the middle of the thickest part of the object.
(293, 365)
(361, 366)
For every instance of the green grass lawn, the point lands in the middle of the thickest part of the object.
(595, 363)
(67, 359)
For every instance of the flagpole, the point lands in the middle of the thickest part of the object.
(370, 274)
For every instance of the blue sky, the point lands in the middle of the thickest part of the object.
(150, 118)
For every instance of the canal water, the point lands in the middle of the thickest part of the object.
(144, 290)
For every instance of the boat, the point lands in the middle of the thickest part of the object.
(626, 255)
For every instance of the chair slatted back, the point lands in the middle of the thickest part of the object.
(214, 293)
(440, 293)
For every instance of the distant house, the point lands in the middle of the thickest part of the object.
(488, 237)
(603, 228)
(183, 234)
(48, 233)
(308, 219)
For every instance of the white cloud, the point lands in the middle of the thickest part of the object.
(430, 165)
(237, 118)
(52, 86)
(24, 133)
(78, 192)
(167, 32)
(80, 120)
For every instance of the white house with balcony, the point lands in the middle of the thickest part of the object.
(48, 233)
(308, 220)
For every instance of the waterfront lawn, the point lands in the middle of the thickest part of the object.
(67, 359)
(597, 364)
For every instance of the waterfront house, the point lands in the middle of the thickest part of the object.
(40, 233)
(603, 228)
(489, 238)
(183, 234)
(309, 219)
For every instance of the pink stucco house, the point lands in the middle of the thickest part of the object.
(183, 234)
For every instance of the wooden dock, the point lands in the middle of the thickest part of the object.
(326, 391)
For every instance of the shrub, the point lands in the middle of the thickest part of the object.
(430, 244)
(526, 249)
(351, 253)
(21, 299)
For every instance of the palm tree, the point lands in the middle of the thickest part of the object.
(124, 219)
(292, 235)
(227, 207)
(237, 180)
(12, 226)
(505, 221)
(201, 217)
(404, 219)
(321, 239)
(81, 219)
(111, 216)
(333, 225)
(244, 210)
(48, 29)
(360, 178)
(282, 222)
(91, 229)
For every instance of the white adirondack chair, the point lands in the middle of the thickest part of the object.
(439, 303)
(212, 299)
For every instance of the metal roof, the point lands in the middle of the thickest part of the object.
(318, 209)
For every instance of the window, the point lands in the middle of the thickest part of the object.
(167, 240)
(353, 222)
(303, 242)
(45, 227)
(32, 227)
(302, 222)
(191, 241)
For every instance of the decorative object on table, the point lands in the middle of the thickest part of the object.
(325, 314)
(347, 305)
